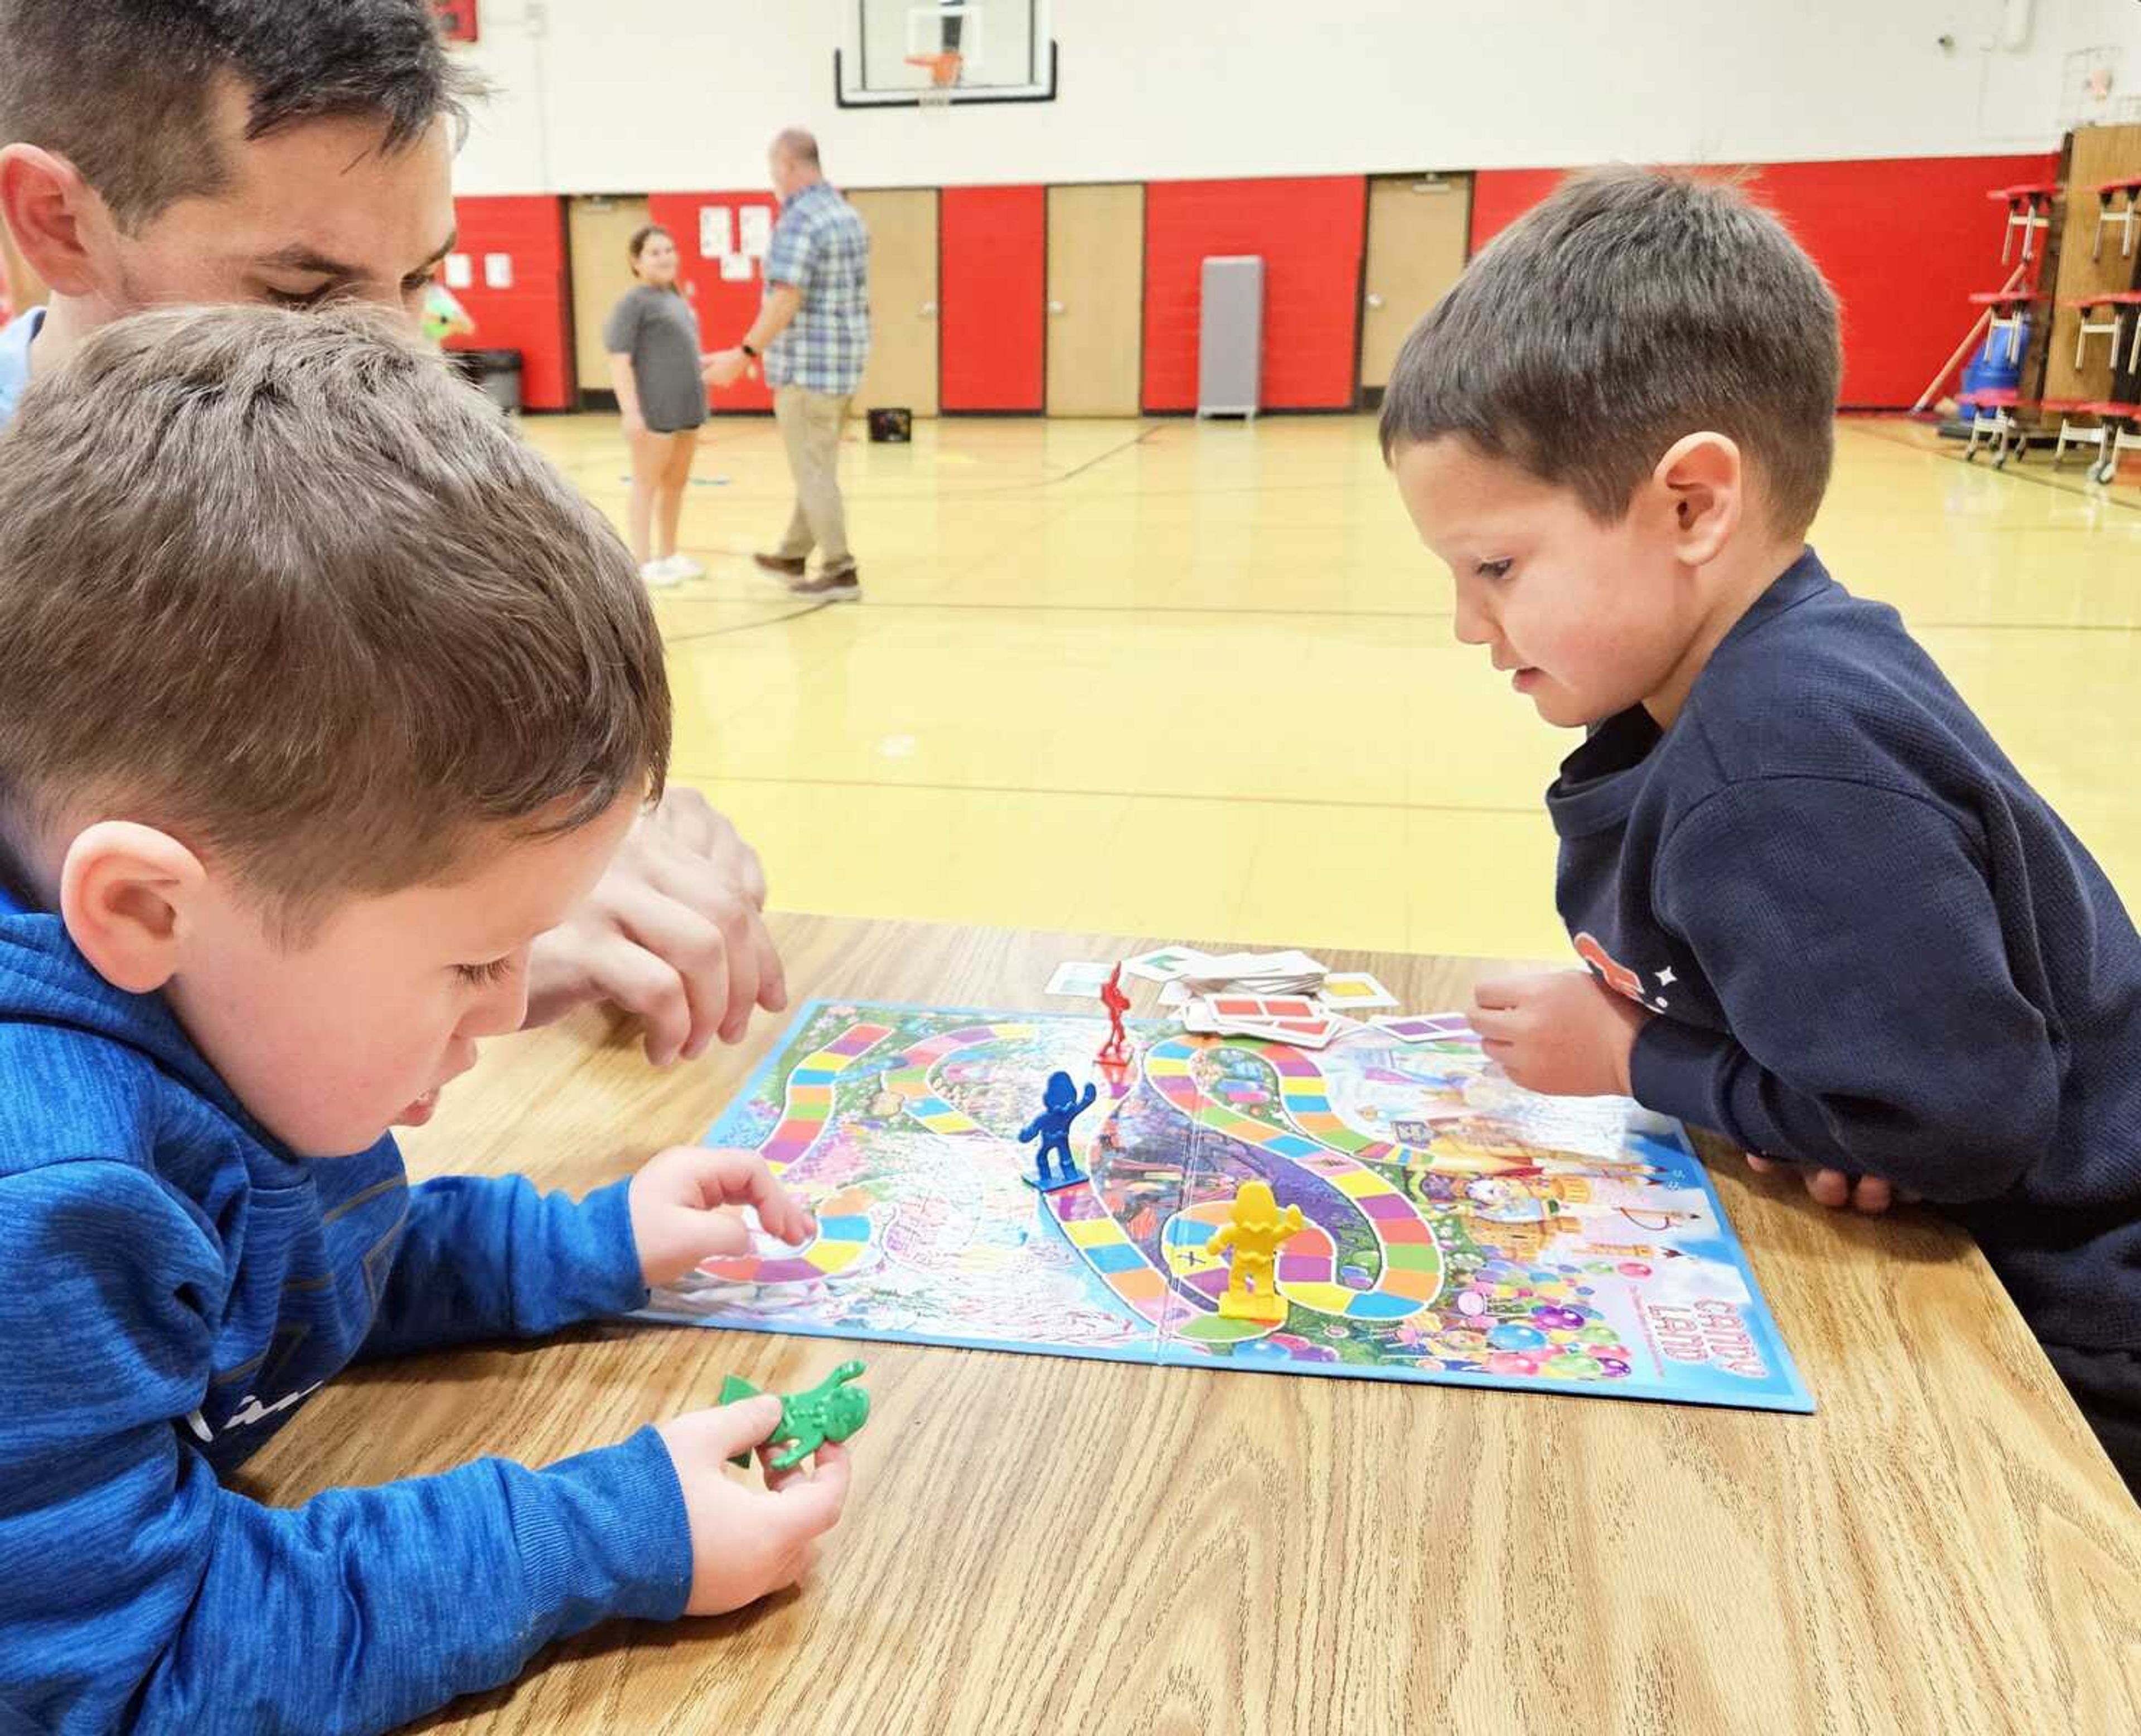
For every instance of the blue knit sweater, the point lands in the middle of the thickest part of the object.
(175, 1284)
(1872, 945)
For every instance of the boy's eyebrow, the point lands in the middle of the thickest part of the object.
(308, 261)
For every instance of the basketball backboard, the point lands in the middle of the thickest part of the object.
(913, 53)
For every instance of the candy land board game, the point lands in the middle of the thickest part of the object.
(1459, 1230)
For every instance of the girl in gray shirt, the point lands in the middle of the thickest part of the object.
(652, 337)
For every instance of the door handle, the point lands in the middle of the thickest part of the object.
(929, 310)
(1056, 309)
(1375, 301)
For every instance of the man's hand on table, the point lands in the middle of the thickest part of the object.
(673, 932)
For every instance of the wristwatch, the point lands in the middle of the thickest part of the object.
(748, 351)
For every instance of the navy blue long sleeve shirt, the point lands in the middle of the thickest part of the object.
(1871, 945)
(176, 1286)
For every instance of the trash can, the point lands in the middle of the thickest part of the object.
(495, 372)
(1230, 337)
(1994, 368)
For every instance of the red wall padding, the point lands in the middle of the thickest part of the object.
(1903, 241)
(534, 317)
(994, 242)
(1311, 231)
(725, 309)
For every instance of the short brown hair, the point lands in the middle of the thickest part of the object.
(1632, 307)
(125, 90)
(283, 586)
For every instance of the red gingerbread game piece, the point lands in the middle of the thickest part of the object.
(1117, 1050)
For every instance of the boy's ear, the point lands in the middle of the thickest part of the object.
(48, 205)
(126, 893)
(1704, 483)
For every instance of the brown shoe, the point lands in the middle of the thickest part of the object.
(785, 565)
(846, 586)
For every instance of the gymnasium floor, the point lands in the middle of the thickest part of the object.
(1198, 679)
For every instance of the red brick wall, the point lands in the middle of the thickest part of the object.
(1309, 231)
(534, 317)
(1903, 241)
(994, 242)
(725, 309)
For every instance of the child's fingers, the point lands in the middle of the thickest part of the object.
(811, 1506)
(1498, 991)
(1872, 1196)
(708, 1436)
(726, 1235)
(728, 1177)
(800, 1471)
(1831, 1187)
(1498, 1032)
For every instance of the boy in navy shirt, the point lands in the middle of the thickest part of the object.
(1820, 911)
(325, 697)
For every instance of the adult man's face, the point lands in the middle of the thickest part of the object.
(314, 211)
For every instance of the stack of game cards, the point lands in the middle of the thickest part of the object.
(1293, 1018)
(1231, 973)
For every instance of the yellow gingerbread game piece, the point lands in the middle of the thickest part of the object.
(1255, 1232)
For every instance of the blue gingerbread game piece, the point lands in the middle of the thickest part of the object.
(1061, 1106)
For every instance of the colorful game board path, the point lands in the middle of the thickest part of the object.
(869, 1103)
(842, 1238)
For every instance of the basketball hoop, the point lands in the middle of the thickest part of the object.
(935, 98)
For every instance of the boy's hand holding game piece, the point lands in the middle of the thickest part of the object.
(1562, 1033)
(746, 1541)
(683, 1206)
(672, 933)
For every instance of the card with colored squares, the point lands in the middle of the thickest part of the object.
(1455, 1229)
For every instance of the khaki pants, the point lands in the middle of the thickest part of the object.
(811, 424)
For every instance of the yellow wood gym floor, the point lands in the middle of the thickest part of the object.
(1198, 679)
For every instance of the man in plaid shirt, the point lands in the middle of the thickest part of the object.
(814, 333)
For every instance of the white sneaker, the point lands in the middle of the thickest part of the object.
(659, 575)
(684, 566)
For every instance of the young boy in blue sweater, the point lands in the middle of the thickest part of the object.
(324, 697)
(1821, 912)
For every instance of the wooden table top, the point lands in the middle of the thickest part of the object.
(1040, 1545)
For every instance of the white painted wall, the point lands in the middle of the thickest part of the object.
(614, 95)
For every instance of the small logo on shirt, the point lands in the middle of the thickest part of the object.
(251, 1411)
(1617, 976)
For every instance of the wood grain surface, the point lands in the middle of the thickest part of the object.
(1042, 1545)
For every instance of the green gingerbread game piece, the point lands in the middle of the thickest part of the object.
(832, 1410)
